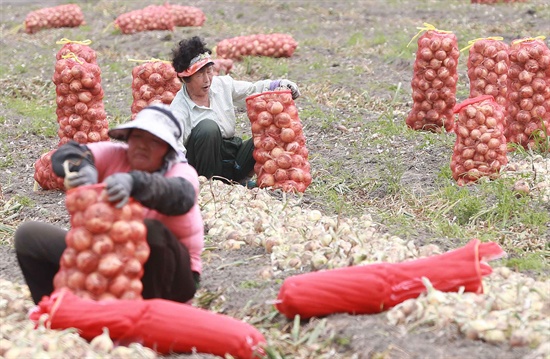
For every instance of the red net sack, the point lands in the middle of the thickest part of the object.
(153, 81)
(150, 18)
(434, 81)
(279, 142)
(80, 111)
(79, 48)
(271, 45)
(106, 247)
(165, 326)
(488, 65)
(183, 16)
(53, 17)
(480, 148)
(528, 111)
(222, 66)
(44, 175)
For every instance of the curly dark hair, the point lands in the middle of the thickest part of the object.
(186, 50)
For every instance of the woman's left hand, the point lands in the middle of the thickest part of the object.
(119, 187)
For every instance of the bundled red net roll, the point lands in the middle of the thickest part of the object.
(488, 65)
(152, 17)
(69, 15)
(480, 148)
(434, 81)
(184, 16)
(44, 175)
(271, 45)
(279, 142)
(106, 247)
(528, 111)
(153, 81)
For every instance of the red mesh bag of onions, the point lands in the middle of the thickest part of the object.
(528, 111)
(106, 247)
(153, 80)
(152, 17)
(80, 111)
(279, 142)
(69, 15)
(271, 45)
(480, 148)
(434, 81)
(44, 175)
(488, 65)
(187, 15)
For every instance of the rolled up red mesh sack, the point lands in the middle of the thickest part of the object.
(44, 175)
(270, 45)
(488, 65)
(69, 15)
(152, 17)
(480, 148)
(374, 288)
(153, 81)
(106, 247)
(279, 142)
(528, 111)
(434, 81)
(183, 16)
(165, 326)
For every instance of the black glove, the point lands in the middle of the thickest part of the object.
(119, 187)
(87, 175)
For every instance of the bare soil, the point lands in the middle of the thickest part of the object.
(23, 70)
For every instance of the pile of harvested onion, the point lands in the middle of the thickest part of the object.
(69, 15)
(271, 45)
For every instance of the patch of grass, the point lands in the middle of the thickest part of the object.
(537, 262)
(43, 118)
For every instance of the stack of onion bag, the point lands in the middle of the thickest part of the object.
(480, 148)
(271, 45)
(69, 15)
(434, 81)
(488, 65)
(528, 111)
(279, 142)
(80, 111)
(373, 288)
(153, 81)
(165, 326)
(106, 247)
(184, 16)
(150, 18)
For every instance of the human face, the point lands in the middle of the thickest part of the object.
(146, 151)
(199, 83)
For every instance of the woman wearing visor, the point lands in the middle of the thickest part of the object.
(206, 106)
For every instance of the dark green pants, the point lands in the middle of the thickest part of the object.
(211, 155)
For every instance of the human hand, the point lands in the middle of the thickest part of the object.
(292, 87)
(87, 175)
(119, 186)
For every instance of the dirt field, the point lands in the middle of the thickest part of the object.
(323, 73)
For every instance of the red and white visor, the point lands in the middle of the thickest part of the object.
(197, 63)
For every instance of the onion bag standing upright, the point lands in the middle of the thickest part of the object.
(488, 65)
(279, 142)
(528, 121)
(153, 81)
(480, 148)
(434, 81)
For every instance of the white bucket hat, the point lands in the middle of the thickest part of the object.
(158, 120)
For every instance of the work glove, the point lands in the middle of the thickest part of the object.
(288, 84)
(118, 187)
(87, 175)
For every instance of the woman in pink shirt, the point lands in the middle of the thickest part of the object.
(151, 168)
